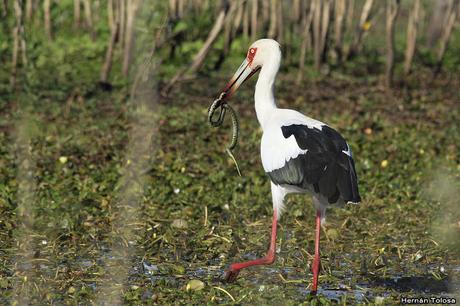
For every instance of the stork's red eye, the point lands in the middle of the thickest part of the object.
(251, 54)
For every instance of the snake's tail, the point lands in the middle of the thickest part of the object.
(235, 127)
(229, 152)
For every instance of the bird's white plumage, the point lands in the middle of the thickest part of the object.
(275, 149)
(348, 151)
(278, 194)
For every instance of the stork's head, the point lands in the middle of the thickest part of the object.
(262, 52)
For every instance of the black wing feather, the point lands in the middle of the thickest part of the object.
(324, 165)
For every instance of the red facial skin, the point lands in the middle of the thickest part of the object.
(251, 53)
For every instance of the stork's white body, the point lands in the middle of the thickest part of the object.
(275, 149)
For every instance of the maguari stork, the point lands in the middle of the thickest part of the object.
(299, 154)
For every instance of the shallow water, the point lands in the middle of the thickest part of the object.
(370, 288)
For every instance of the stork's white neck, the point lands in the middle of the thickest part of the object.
(264, 95)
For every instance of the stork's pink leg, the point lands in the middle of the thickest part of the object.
(317, 260)
(235, 268)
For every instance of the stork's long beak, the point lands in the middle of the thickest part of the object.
(244, 72)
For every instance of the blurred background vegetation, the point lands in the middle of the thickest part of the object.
(113, 189)
(61, 38)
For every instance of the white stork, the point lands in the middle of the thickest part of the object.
(299, 154)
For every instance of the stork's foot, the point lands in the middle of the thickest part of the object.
(231, 275)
